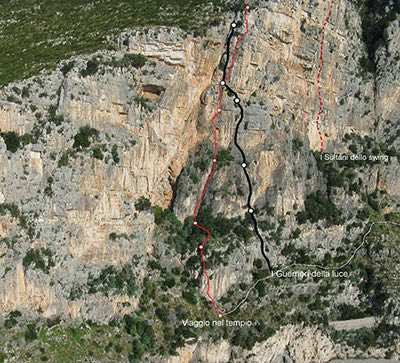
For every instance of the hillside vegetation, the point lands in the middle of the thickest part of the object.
(36, 34)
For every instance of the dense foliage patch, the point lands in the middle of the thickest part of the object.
(84, 137)
(317, 207)
(13, 141)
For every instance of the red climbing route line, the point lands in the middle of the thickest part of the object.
(321, 67)
(208, 235)
(215, 130)
(215, 150)
(240, 39)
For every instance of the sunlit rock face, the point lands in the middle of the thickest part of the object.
(78, 205)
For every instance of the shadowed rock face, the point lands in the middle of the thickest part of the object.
(153, 92)
(81, 203)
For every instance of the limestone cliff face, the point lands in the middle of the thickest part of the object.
(150, 116)
(276, 79)
(276, 76)
(292, 344)
(150, 122)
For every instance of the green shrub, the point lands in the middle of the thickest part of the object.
(17, 214)
(165, 216)
(241, 231)
(347, 312)
(224, 158)
(26, 139)
(97, 153)
(143, 102)
(295, 234)
(144, 338)
(129, 60)
(49, 190)
(41, 258)
(12, 319)
(297, 144)
(16, 90)
(12, 140)
(13, 99)
(203, 157)
(190, 295)
(162, 313)
(169, 281)
(114, 154)
(194, 177)
(319, 207)
(331, 171)
(247, 337)
(53, 117)
(9, 242)
(64, 158)
(92, 66)
(361, 338)
(67, 67)
(113, 281)
(154, 265)
(135, 60)
(143, 204)
(184, 238)
(30, 333)
(25, 92)
(258, 263)
(84, 137)
(114, 236)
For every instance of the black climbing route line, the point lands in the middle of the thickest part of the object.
(250, 209)
(229, 62)
(237, 102)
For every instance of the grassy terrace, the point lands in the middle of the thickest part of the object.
(36, 34)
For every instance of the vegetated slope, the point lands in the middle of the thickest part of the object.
(36, 34)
